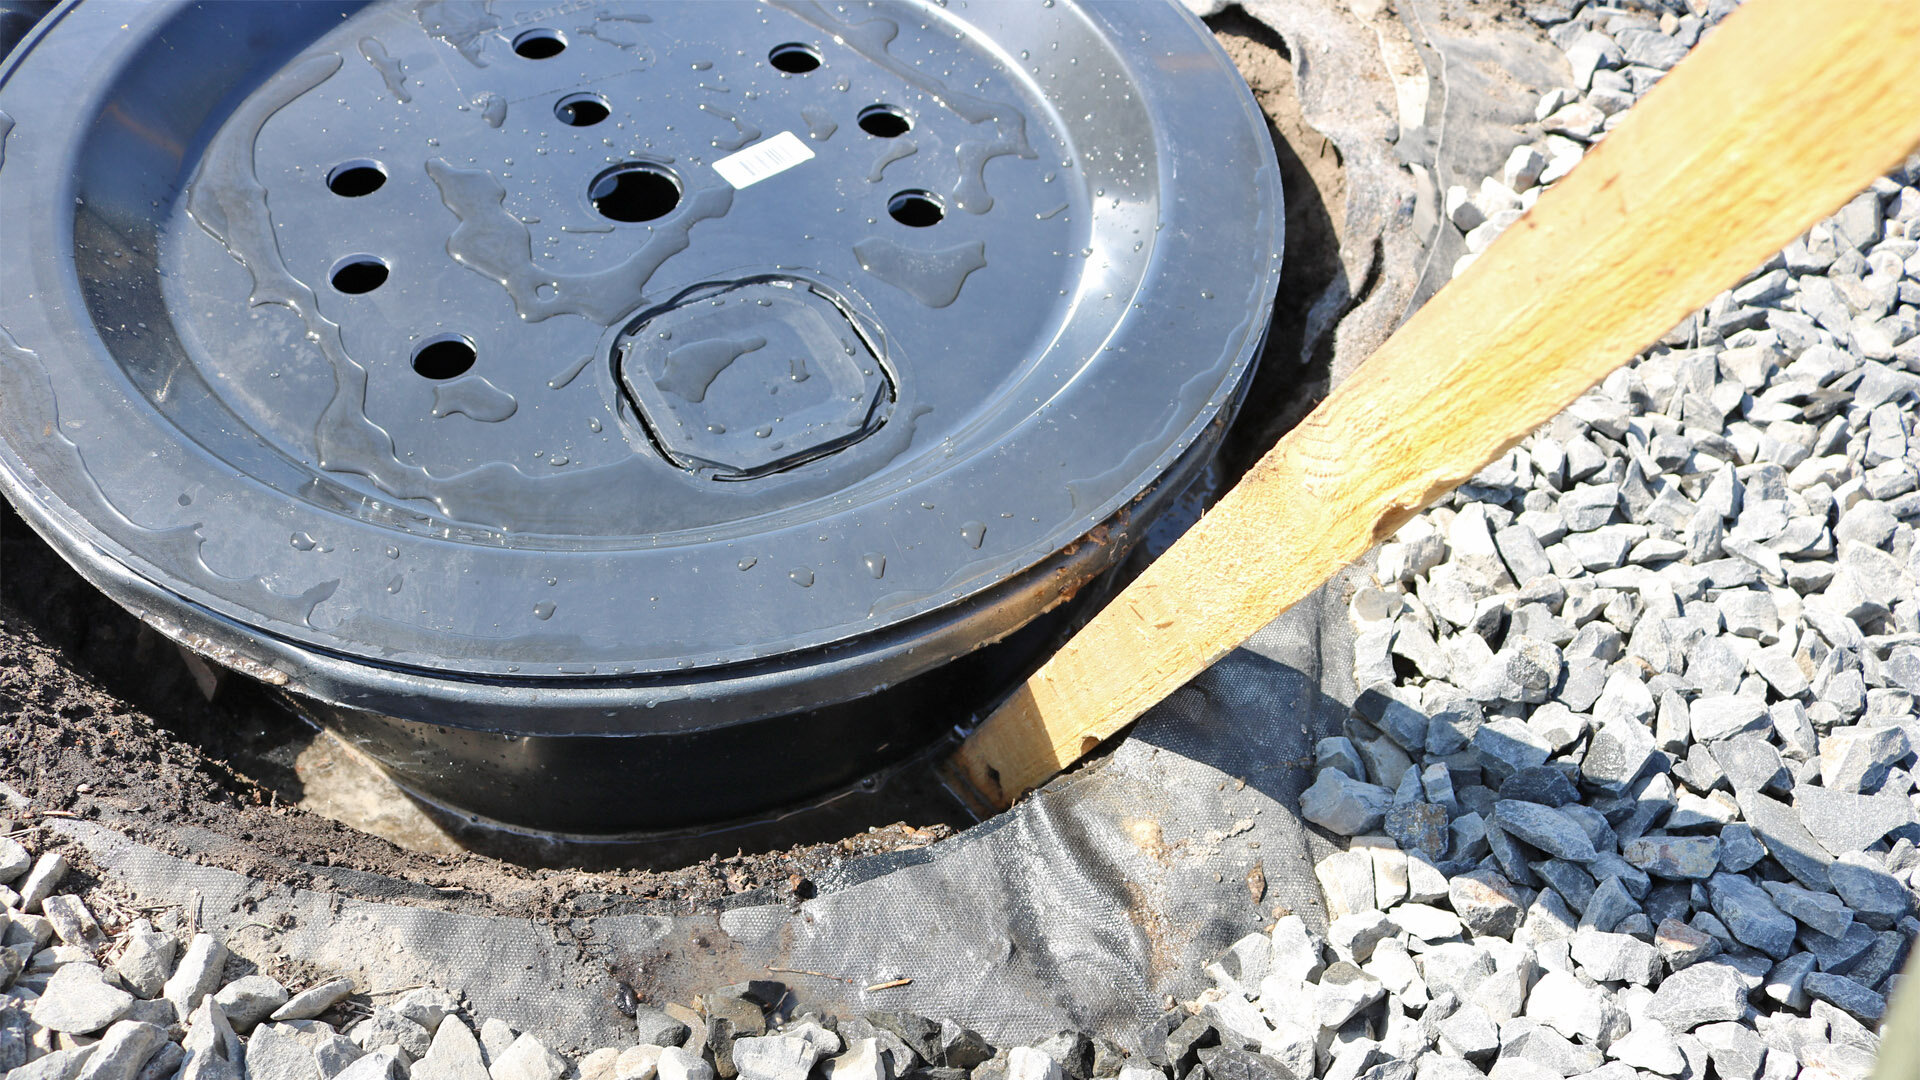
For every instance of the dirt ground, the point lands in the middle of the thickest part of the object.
(81, 749)
(102, 719)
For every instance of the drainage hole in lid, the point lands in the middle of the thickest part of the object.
(581, 110)
(918, 209)
(352, 179)
(541, 44)
(885, 121)
(443, 357)
(794, 58)
(358, 274)
(635, 191)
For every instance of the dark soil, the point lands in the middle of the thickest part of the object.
(100, 719)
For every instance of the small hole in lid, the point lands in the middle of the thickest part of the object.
(794, 58)
(353, 179)
(581, 110)
(358, 274)
(444, 357)
(541, 44)
(885, 121)
(917, 209)
(636, 191)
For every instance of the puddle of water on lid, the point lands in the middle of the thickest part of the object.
(493, 109)
(871, 40)
(932, 277)
(475, 397)
(392, 72)
(820, 123)
(492, 242)
(462, 24)
(743, 132)
(691, 368)
(900, 148)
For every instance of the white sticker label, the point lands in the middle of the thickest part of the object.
(763, 159)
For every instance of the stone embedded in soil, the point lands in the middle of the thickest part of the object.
(388, 1028)
(654, 1027)
(197, 975)
(454, 1053)
(332, 1051)
(47, 873)
(274, 1052)
(426, 1006)
(310, 1003)
(72, 921)
(213, 1050)
(1026, 1063)
(496, 1038)
(249, 1000)
(164, 1063)
(78, 1001)
(123, 1050)
(529, 1059)
(638, 1062)
(146, 958)
(14, 860)
(676, 1063)
(385, 1063)
(862, 1061)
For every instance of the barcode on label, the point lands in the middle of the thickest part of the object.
(763, 159)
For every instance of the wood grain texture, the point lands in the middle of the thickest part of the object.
(1787, 110)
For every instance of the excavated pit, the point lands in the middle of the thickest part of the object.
(251, 758)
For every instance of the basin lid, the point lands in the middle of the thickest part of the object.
(545, 339)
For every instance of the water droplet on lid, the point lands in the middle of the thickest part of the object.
(974, 533)
(748, 563)
(394, 585)
(593, 423)
(393, 552)
(185, 499)
(543, 610)
(802, 576)
(302, 541)
(876, 563)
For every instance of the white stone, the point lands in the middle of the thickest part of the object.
(1026, 1063)
(529, 1059)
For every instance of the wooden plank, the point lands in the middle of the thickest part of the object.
(1787, 110)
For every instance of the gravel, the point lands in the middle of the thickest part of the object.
(79, 1021)
(1654, 674)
